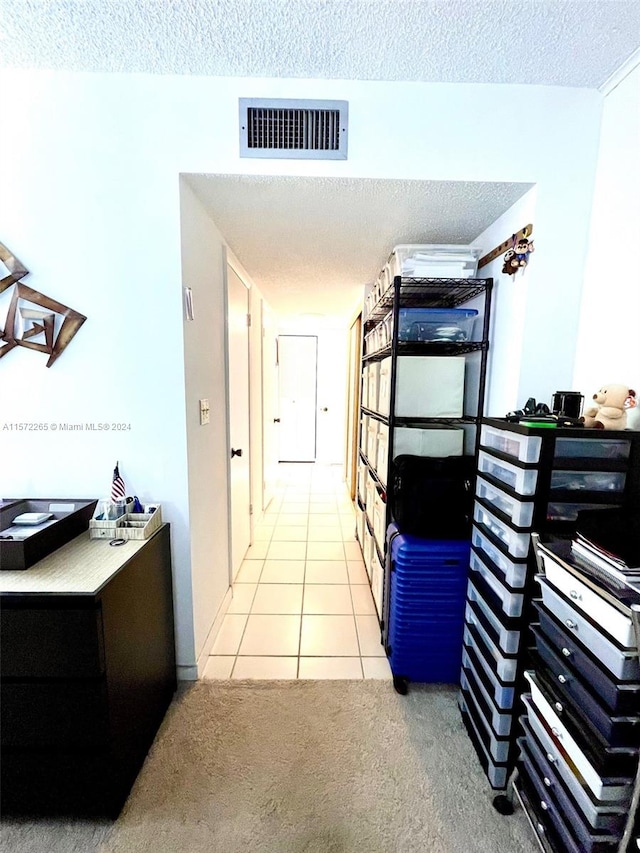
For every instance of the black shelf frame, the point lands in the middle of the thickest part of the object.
(424, 293)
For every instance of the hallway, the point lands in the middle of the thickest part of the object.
(302, 606)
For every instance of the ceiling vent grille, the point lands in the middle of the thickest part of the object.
(283, 128)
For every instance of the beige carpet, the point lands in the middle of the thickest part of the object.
(300, 767)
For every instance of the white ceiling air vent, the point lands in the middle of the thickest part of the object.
(278, 128)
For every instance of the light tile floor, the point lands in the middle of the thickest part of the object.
(302, 606)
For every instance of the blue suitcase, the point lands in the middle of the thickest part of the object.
(427, 593)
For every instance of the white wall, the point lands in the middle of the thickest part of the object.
(91, 204)
(509, 299)
(203, 270)
(608, 349)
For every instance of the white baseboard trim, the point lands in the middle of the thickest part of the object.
(213, 633)
(187, 672)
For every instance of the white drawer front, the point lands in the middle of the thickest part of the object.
(615, 623)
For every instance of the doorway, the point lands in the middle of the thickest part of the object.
(297, 397)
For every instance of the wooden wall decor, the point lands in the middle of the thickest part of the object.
(525, 232)
(25, 322)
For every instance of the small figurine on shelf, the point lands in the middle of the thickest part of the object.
(610, 409)
(517, 257)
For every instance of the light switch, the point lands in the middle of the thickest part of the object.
(204, 412)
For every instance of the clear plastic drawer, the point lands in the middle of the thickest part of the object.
(587, 481)
(475, 633)
(521, 480)
(511, 602)
(525, 448)
(592, 448)
(520, 512)
(507, 639)
(569, 511)
(515, 574)
(503, 695)
(516, 543)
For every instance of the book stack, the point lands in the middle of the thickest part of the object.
(607, 546)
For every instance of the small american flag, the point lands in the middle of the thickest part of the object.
(117, 487)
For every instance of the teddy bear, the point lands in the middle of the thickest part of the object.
(610, 411)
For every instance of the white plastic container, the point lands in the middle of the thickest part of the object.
(525, 448)
(427, 442)
(379, 520)
(430, 386)
(370, 499)
(360, 525)
(384, 386)
(377, 581)
(373, 379)
(372, 441)
(521, 480)
(365, 386)
(520, 512)
(368, 553)
(515, 574)
(505, 668)
(363, 474)
(431, 260)
(516, 543)
(364, 433)
(382, 452)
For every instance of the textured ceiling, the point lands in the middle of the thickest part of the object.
(553, 42)
(311, 244)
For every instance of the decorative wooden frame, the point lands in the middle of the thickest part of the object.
(43, 321)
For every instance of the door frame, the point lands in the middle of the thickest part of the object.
(228, 261)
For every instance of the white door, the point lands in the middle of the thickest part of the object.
(332, 396)
(270, 418)
(297, 378)
(238, 385)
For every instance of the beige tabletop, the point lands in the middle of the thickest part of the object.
(82, 566)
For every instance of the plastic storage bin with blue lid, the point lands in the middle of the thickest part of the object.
(436, 324)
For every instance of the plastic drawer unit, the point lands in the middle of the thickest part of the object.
(501, 694)
(496, 722)
(524, 448)
(516, 543)
(593, 448)
(519, 512)
(505, 633)
(496, 772)
(514, 572)
(587, 481)
(521, 480)
(475, 634)
(497, 595)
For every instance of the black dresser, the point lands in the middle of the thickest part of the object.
(87, 673)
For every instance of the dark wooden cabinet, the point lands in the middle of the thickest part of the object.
(87, 677)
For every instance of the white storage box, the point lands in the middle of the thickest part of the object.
(520, 512)
(363, 474)
(365, 386)
(379, 520)
(521, 480)
(434, 261)
(515, 574)
(382, 454)
(377, 582)
(525, 448)
(372, 377)
(372, 441)
(516, 543)
(430, 387)
(370, 499)
(364, 433)
(427, 442)
(369, 549)
(384, 386)
(360, 525)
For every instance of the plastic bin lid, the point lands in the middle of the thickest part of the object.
(468, 312)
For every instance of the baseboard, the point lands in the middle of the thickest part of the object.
(187, 672)
(211, 636)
